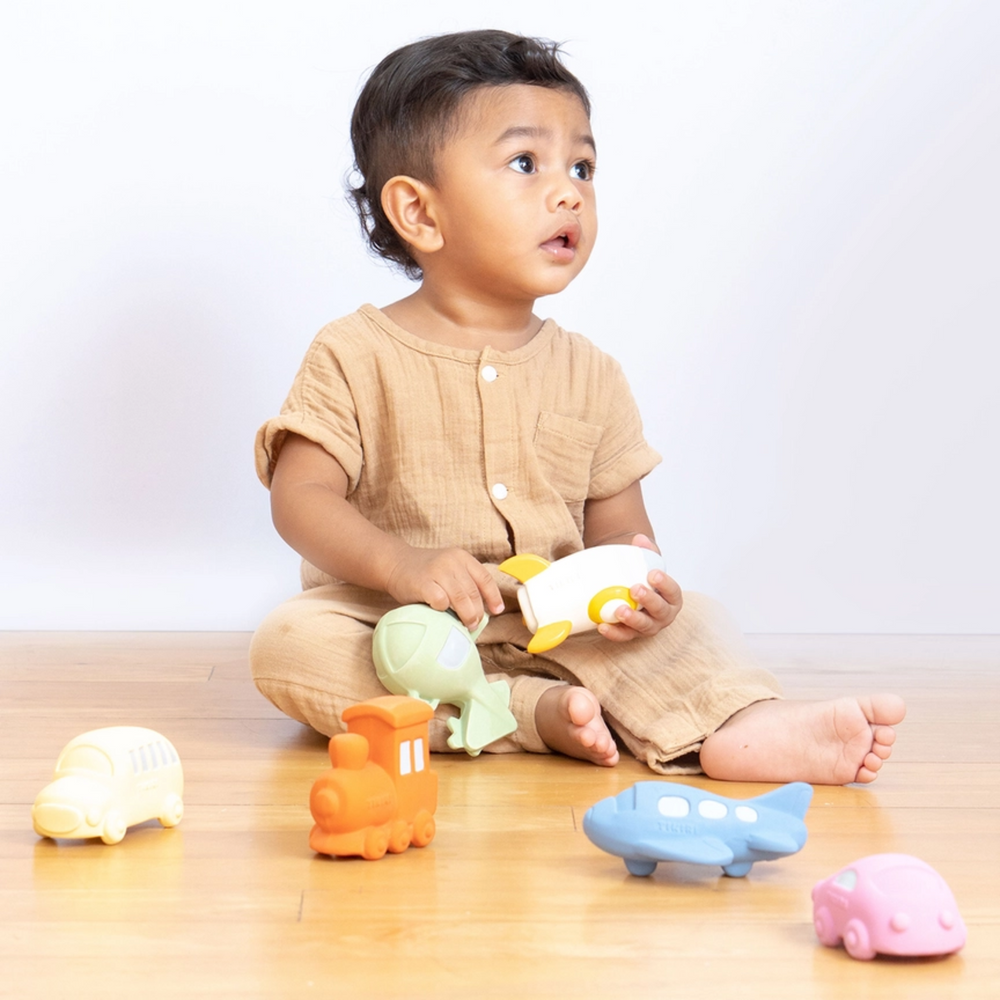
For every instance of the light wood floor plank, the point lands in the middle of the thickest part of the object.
(510, 899)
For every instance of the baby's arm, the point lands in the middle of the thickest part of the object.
(622, 519)
(311, 513)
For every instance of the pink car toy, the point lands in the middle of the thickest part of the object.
(889, 904)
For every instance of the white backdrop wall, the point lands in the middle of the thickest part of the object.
(798, 268)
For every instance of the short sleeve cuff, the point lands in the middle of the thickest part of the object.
(622, 471)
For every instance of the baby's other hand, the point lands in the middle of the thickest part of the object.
(446, 578)
(659, 601)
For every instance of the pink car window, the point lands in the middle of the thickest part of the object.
(847, 879)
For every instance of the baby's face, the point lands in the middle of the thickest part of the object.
(514, 193)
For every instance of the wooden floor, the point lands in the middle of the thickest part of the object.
(510, 899)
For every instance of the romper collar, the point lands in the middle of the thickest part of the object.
(526, 352)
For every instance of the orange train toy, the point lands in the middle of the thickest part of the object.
(380, 794)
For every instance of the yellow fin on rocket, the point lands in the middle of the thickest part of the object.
(549, 636)
(524, 567)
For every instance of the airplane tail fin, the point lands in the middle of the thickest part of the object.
(487, 718)
(792, 799)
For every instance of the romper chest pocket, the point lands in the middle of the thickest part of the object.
(565, 448)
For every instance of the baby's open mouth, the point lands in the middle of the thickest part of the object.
(563, 241)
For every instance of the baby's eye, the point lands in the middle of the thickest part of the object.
(523, 164)
(583, 171)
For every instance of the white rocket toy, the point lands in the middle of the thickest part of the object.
(579, 591)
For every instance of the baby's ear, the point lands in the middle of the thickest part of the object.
(407, 204)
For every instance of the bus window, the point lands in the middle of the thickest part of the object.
(88, 759)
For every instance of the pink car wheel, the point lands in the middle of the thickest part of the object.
(856, 940)
(825, 931)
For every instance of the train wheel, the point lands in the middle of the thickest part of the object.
(424, 828)
(399, 841)
(376, 843)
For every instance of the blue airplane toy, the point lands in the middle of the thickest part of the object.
(656, 821)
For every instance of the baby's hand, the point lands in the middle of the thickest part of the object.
(446, 578)
(659, 601)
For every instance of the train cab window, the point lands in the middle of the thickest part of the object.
(411, 756)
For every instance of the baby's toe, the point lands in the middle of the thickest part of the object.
(884, 735)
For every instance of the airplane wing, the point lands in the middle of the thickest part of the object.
(414, 693)
(778, 843)
(696, 850)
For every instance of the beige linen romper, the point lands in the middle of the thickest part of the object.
(495, 452)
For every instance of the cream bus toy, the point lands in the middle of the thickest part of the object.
(108, 780)
(579, 591)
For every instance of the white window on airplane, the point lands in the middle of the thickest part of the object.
(404, 757)
(454, 650)
(673, 806)
(746, 813)
(418, 754)
(711, 809)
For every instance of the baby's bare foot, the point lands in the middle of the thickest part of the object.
(823, 742)
(569, 721)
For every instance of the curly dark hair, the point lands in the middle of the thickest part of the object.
(407, 110)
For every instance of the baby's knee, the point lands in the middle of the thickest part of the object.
(274, 642)
(275, 649)
(311, 662)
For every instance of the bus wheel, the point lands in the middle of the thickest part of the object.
(173, 810)
(114, 827)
